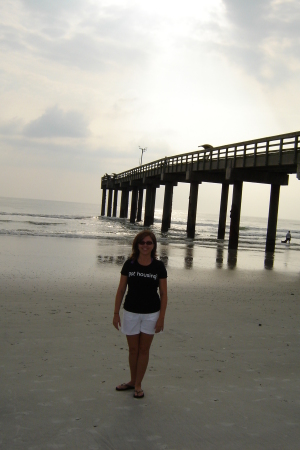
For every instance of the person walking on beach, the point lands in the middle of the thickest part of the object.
(288, 238)
(144, 309)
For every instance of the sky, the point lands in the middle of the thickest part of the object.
(85, 83)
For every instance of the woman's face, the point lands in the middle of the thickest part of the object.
(146, 246)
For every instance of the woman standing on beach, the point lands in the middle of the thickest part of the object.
(144, 309)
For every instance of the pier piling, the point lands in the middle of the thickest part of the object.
(149, 205)
(140, 205)
(134, 197)
(103, 202)
(223, 211)
(192, 211)
(272, 220)
(124, 204)
(109, 203)
(152, 210)
(147, 216)
(235, 215)
(167, 208)
(115, 203)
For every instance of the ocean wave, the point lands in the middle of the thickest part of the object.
(68, 235)
(47, 216)
(44, 223)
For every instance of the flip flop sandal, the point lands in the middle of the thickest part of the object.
(124, 387)
(135, 395)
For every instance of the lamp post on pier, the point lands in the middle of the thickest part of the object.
(143, 150)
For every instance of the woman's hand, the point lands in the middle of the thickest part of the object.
(118, 301)
(117, 321)
(163, 305)
(159, 325)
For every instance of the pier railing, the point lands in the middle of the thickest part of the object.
(251, 154)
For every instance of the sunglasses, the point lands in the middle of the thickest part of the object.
(145, 242)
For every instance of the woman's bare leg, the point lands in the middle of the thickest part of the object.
(145, 342)
(133, 344)
(139, 346)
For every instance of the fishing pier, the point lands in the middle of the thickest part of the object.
(267, 160)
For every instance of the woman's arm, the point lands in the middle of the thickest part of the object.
(163, 292)
(118, 301)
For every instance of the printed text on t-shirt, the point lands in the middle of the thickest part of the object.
(140, 274)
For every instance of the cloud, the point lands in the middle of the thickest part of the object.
(259, 37)
(88, 52)
(264, 38)
(11, 127)
(63, 154)
(79, 34)
(54, 7)
(246, 14)
(57, 123)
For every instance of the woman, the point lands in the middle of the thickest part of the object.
(144, 309)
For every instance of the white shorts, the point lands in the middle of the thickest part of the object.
(133, 323)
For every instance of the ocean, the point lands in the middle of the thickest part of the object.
(26, 218)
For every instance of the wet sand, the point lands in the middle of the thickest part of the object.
(223, 375)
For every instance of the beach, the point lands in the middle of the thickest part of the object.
(223, 374)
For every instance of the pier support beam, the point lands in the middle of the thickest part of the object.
(109, 203)
(149, 206)
(167, 209)
(223, 211)
(140, 205)
(235, 215)
(273, 214)
(115, 203)
(193, 198)
(134, 197)
(124, 204)
(153, 197)
(103, 202)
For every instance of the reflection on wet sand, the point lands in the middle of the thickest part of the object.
(219, 256)
(269, 260)
(164, 253)
(189, 256)
(119, 260)
(232, 259)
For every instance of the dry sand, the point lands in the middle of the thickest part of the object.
(223, 375)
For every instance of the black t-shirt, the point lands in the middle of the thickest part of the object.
(142, 296)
